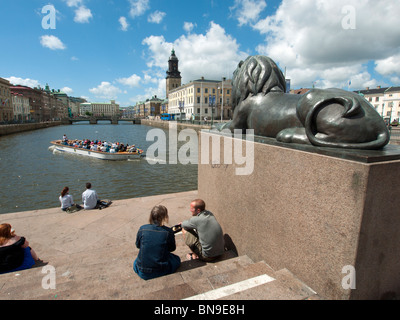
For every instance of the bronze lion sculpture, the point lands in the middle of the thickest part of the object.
(321, 117)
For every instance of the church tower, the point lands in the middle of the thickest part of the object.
(174, 79)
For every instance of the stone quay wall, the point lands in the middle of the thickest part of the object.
(17, 128)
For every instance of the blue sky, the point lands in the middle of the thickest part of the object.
(118, 49)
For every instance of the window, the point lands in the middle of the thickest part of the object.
(206, 90)
(198, 90)
(206, 100)
(198, 99)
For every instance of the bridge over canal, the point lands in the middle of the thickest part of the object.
(94, 120)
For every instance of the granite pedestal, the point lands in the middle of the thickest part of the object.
(330, 216)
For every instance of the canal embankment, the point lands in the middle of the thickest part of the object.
(179, 125)
(17, 128)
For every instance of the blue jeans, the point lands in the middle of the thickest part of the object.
(27, 263)
(173, 264)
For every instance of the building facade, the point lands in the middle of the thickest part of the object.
(21, 107)
(386, 101)
(35, 101)
(201, 99)
(153, 106)
(100, 109)
(74, 105)
(6, 109)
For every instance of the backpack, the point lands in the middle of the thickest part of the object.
(104, 204)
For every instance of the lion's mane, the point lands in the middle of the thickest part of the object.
(257, 74)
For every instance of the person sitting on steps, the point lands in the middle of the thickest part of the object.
(156, 242)
(202, 233)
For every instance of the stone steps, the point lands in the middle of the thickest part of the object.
(228, 278)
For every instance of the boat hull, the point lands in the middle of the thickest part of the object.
(120, 156)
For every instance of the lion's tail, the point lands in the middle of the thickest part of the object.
(352, 107)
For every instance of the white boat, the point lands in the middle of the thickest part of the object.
(58, 146)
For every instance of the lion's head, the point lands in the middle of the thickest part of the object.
(257, 74)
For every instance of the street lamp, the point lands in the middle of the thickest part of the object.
(222, 100)
(181, 108)
(211, 102)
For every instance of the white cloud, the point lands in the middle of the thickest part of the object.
(188, 26)
(389, 66)
(213, 55)
(73, 3)
(105, 91)
(156, 17)
(52, 42)
(67, 90)
(23, 82)
(132, 81)
(124, 23)
(248, 11)
(82, 15)
(138, 7)
(312, 36)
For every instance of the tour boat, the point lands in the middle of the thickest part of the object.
(58, 146)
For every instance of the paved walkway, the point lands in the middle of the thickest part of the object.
(53, 233)
(92, 236)
(91, 254)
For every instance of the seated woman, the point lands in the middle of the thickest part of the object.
(156, 242)
(15, 253)
(66, 200)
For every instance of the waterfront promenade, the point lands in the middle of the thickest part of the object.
(92, 253)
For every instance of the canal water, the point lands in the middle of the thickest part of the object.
(32, 176)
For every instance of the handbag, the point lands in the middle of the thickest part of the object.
(72, 209)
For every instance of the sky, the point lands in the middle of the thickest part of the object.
(105, 50)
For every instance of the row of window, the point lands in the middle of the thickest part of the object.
(377, 99)
(189, 101)
(4, 92)
(206, 91)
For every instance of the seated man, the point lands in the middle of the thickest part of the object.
(202, 233)
(90, 198)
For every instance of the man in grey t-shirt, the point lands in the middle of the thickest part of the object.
(203, 234)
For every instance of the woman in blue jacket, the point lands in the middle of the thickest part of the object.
(155, 242)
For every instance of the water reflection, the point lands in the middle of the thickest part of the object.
(32, 177)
